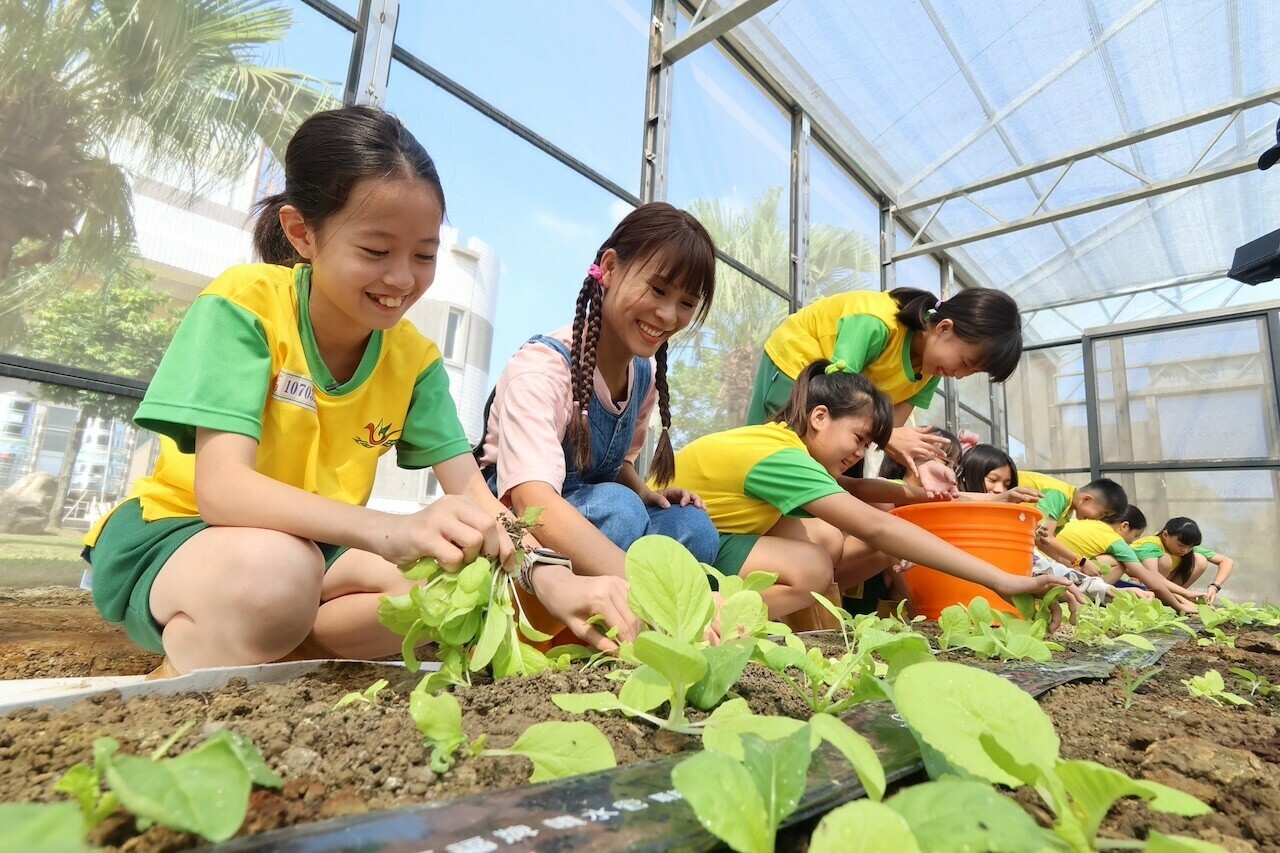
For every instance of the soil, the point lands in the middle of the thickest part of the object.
(362, 758)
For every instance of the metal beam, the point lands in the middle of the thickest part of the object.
(375, 52)
(711, 28)
(1181, 182)
(657, 105)
(1124, 141)
(799, 209)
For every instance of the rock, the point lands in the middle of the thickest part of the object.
(1263, 825)
(342, 804)
(22, 515)
(1202, 791)
(1200, 759)
(1141, 737)
(36, 486)
(421, 774)
(1230, 843)
(298, 760)
(1259, 641)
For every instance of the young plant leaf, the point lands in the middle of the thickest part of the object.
(723, 730)
(560, 750)
(669, 590)
(867, 827)
(47, 827)
(779, 768)
(1137, 641)
(744, 615)
(723, 794)
(1094, 789)
(644, 689)
(855, 748)
(580, 703)
(679, 662)
(1159, 843)
(725, 663)
(955, 814)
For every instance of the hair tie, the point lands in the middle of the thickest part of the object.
(595, 272)
(584, 412)
(837, 366)
(937, 304)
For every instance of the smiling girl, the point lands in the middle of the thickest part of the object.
(250, 541)
(904, 341)
(776, 495)
(570, 412)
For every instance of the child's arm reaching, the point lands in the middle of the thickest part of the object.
(1225, 566)
(1165, 590)
(231, 493)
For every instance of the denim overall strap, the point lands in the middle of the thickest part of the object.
(611, 434)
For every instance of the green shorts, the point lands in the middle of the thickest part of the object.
(734, 549)
(128, 556)
(770, 393)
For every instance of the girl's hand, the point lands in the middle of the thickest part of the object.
(576, 600)
(663, 498)
(909, 444)
(1144, 594)
(1038, 586)
(938, 481)
(1021, 495)
(902, 566)
(455, 530)
(1211, 595)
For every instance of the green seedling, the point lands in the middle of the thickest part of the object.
(473, 616)
(368, 696)
(1211, 686)
(49, 827)
(560, 750)
(1224, 611)
(204, 791)
(674, 663)
(1257, 684)
(1217, 637)
(1127, 617)
(751, 773)
(978, 725)
(1133, 679)
(1008, 638)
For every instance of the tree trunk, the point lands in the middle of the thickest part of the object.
(68, 468)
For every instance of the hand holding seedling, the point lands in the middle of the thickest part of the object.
(1039, 586)
(454, 530)
(604, 597)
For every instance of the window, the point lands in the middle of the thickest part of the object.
(453, 334)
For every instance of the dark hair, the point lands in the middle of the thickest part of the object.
(1137, 520)
(688, 262)
(1188, 533)
(844, 395)
(1112, 497)
(979, 461)
(329, 153)
(892, 469)
(980, 316)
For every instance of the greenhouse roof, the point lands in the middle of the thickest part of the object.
(1009, 101)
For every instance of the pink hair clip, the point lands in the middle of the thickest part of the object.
(595, 272)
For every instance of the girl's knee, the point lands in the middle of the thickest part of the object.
(689, 526)
(617, 511)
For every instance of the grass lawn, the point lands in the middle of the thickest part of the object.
(49, 560)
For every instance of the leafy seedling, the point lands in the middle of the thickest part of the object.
(982, 726)
(439, 718)
(1133, 679)
(1257, 684)
(368, 696)
(990, 634)
(1213, 687)
(560, 750)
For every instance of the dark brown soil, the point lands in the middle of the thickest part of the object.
(362, 758)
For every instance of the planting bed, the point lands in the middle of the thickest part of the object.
(361, 758)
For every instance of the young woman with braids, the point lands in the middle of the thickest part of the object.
(904, 341)
(569, 415)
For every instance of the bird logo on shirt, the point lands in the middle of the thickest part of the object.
(379, 436)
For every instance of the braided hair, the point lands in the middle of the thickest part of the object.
(688, 262)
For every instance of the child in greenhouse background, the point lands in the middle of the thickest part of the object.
(1060, 503)
(1093, 541)
(1104, 548)
(904, 341)
(570, 412)
(284, 384)
(775, 497)
(986, 469)
(1176, 552)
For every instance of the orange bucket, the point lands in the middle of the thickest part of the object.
(1001, 534)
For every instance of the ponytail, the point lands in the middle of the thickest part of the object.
(582, 367)
(664, 456)
(843, 394)
(269, 240)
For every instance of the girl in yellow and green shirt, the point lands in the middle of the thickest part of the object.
(1177, 554)
(775, 494)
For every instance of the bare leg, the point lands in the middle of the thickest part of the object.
(803, 568)
(347, 621)
(236, 595)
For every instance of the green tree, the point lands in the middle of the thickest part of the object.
(713, 370)
(85, 84)
(123, 329)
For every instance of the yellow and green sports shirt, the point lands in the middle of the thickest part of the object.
(751, 476)
(1150, 547)
(245, 360)
(862, 329)
(1093, 538)
(1055, 496)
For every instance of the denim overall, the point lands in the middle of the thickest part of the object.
(611, 506)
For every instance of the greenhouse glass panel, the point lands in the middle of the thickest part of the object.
(922, 271)
(844, 231)
(1204, 392)
(96, 276)
(731, 161)
(976, 423)
(713, 369)
(1231, 507)
(1048, 424)
(975, 394)
(575, 75)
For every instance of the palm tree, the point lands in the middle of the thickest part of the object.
(725, 353)
(174, 82)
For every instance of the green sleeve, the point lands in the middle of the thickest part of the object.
(788, 480)
(860, 339)
(216, 374)
(923, 398)
(1207, 553)
(432, 431)
(1122, 551)
(1054, 504)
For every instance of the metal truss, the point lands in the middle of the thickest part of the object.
(1193, 176)
(703, 31)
